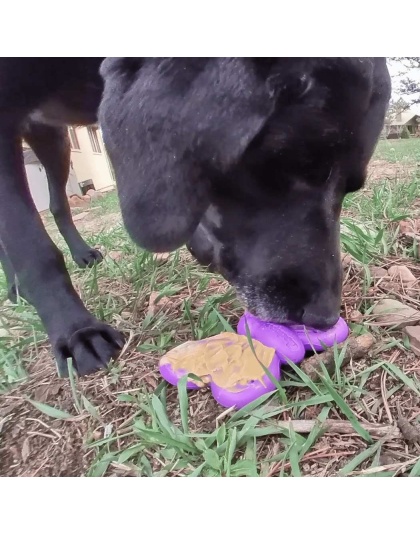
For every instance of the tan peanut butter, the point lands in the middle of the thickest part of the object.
(227, 359)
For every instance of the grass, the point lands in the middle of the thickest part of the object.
(370, 219)
(108, 203)
(405, 151)
(126, 421)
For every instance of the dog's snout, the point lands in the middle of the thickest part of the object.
(301, 299)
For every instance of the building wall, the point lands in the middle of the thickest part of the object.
(38, 185)
(85, 165)
(89, 165)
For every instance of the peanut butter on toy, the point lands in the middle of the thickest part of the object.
(228, 359)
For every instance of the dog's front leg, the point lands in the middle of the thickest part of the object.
(40, 269)
(52, 146)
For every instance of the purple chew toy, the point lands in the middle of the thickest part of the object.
(252, 391)
(243, 394)
(284, 341)
(291, 341)
(314, 339)
(173, 377)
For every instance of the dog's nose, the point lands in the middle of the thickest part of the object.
(320, 316)
(321, 323)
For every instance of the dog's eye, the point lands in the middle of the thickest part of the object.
(289, 89)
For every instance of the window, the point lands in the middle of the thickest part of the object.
(74, 142)
(94, 141)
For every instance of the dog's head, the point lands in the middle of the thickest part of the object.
(248, 161)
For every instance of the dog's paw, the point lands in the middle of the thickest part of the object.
(87, 257)
(91, 348)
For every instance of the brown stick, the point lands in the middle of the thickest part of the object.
(303, 426)
(357, 348)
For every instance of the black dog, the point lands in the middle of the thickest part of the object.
(249, 160)
(245, 159)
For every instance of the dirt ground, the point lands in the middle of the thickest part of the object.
(386, 170)
(33, 444)
(37, 445)
(89, 221)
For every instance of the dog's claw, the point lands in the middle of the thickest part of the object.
(91, 349)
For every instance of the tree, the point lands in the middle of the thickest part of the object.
(395, 107)
(405, 134)
(408, 86)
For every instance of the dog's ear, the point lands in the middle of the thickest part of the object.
(170, 125)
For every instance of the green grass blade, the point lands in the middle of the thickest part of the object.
(251, 406)
(230, 451)
(415, 471)
(163, 419)
(315, 433)
(221, 435)
(100, 467)
(346, 410)
(396, 371)
(227, 326)
(50, 410)
(244, 468)
(183, 402)
(212, 459)
(361, 457)
(305, 378)
(162, 439)
(89, 407)
(280, 390)
(294, 452)
(129, 453)
(198, 470)
(249, 425)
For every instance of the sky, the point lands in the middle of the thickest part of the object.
(394, 69)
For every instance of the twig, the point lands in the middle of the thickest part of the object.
(356, 349)
(388, 467)
(304, 426)
(314, 455)
(383, 387)
(59, 436)
(42, 434)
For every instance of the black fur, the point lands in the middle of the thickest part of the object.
(262, 151)
(246, 159)
(37, 98)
